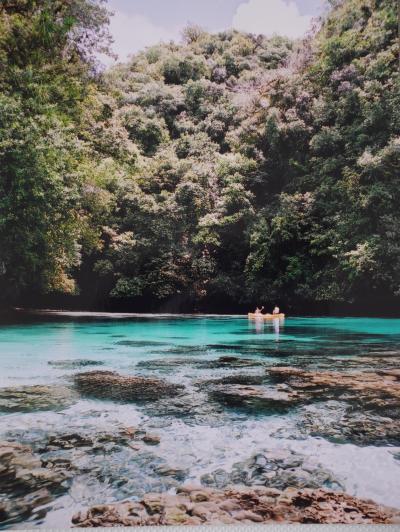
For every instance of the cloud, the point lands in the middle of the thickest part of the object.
(132, 33)
(271, 16)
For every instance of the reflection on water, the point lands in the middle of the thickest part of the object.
(277, 324)
(259, 324)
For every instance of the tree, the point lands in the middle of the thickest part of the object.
(46, 60)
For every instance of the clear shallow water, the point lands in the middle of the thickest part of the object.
(206, 437)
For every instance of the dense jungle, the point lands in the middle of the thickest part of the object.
(216, 172)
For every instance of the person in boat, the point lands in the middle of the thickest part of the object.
(259, 310)
(276, 310)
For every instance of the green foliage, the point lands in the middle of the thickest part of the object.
(229, 166)
(44, 79)
(178, 69)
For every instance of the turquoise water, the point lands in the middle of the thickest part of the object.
(27, 348)
(203, 436)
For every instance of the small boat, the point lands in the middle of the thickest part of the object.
(254, 316)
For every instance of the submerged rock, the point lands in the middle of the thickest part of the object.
(274, 469)
(167, 471)
(361, 407)
(266, 398)
(247, 380)
(364, 362)
(196, 505)
(356, 427)
(185, 350)
(23, 507)
(396, 455)
(142, 343)
(393, 372)
(120, 462)
(338, 423)
(111, 385)
(100, 441)
(193, 406)
(25, 484)
(221, 362)
(74, 364)
(19, 467)
(165, 364)
(38, 397)
(233, 362)
(378, 391)
(94, 463)
(151, 439)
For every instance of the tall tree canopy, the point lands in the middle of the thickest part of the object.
(46, 61)
(228, 167)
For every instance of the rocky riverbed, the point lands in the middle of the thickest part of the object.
(146, 431)
(194, 505)
(31, 481)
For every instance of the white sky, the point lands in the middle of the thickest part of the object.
(140, 23)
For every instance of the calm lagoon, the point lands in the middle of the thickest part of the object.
(203, 437)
